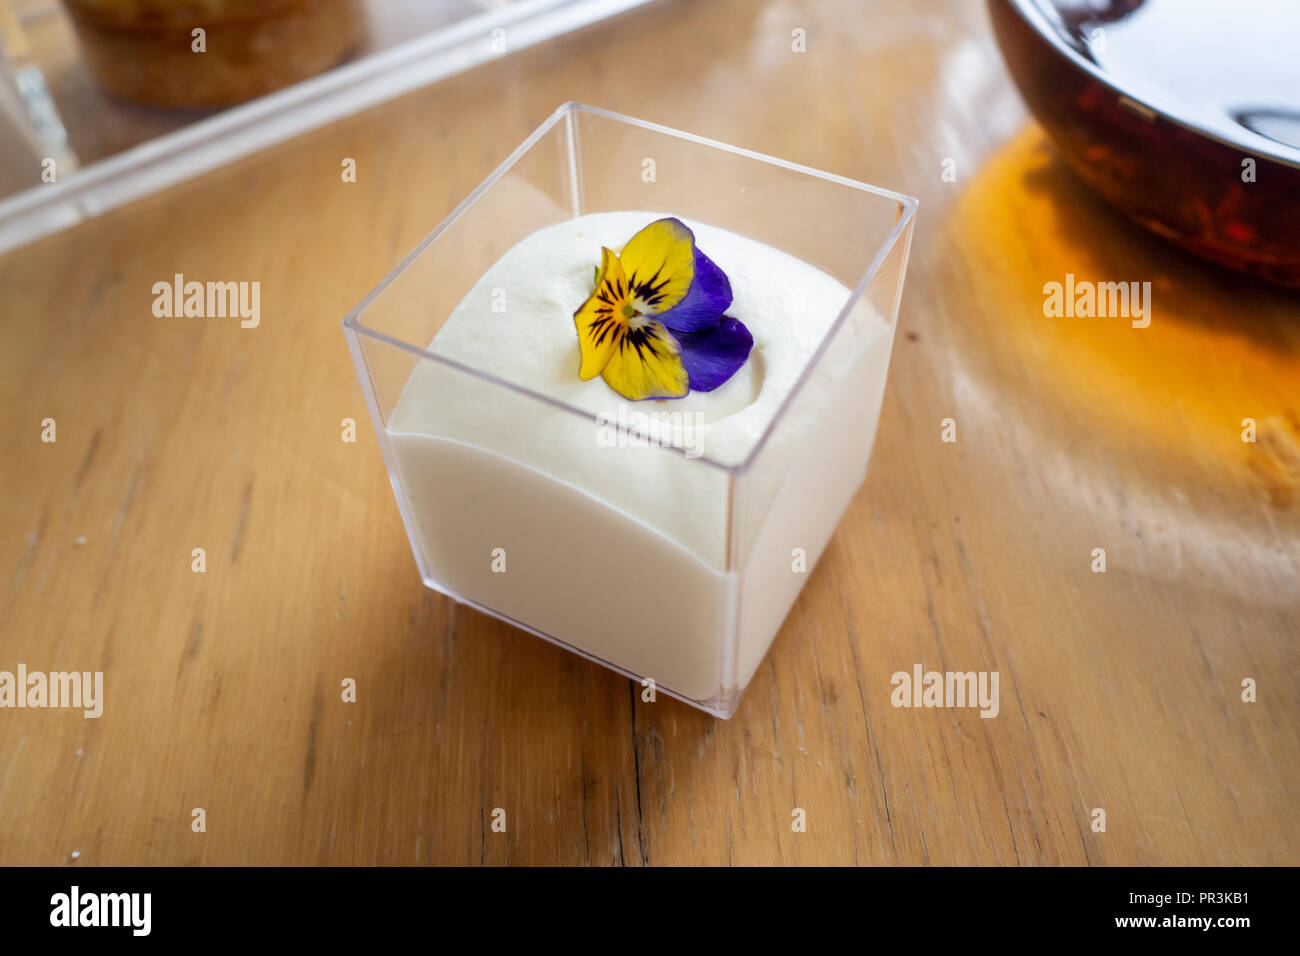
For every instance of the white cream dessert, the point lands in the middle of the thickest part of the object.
(673, 563)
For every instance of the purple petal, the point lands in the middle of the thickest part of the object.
(714, 355)
(707, 299)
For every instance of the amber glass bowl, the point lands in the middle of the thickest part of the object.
(1185, 114)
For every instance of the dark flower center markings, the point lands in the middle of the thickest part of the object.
(643, 339)
(602, 327)
(651, 290)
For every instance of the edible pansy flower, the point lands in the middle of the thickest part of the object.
(656, 325)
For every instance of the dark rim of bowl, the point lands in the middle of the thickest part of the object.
(1260, 145)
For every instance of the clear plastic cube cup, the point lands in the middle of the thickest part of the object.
(562, 544)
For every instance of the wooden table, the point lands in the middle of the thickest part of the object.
(1119, 690)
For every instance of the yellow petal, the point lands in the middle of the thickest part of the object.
(602, 320)
(659, 262)
(647, 363)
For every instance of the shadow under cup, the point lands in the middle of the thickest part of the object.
(553, 536)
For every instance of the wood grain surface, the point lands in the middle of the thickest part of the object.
(1119, 690)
